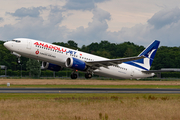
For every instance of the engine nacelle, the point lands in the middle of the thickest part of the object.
(50, 66)
(75, 64)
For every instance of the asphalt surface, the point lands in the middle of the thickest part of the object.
(87, 90)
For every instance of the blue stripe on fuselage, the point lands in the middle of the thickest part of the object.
(135, 65)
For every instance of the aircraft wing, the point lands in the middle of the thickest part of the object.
(106, 63)
(163, 70)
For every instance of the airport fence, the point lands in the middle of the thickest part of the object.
(44, 73)
(67, 73)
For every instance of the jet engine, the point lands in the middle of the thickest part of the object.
(50, 66)
(75, 64)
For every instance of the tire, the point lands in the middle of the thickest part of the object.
(73, 76)
(88, 75)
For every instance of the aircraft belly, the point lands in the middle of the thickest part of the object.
(111, 72)
(55, 60)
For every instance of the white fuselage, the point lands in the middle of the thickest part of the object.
(55, 54)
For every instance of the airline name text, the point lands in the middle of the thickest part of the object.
(50, 46)
(55, 48)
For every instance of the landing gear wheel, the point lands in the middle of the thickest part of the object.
(73, 76)
(18, 60)
(88, 75)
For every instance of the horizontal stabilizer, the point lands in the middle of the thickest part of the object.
(163, 70)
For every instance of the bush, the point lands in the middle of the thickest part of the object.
(170, 75)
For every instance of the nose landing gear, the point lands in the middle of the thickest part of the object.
(18, 60)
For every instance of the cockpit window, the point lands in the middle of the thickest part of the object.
(18, 41)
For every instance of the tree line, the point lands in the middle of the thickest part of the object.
(166, 57)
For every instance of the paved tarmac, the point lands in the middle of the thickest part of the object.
(87, 90)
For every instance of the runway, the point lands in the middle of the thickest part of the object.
(87, 90)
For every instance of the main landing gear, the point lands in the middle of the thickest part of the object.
(88, 75)
(74, 75)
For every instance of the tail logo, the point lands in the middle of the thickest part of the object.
(149, 53)
(146, 62)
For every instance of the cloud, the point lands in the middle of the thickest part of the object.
(95, 30)
(1, 19)
(36, 27)
(165, 17)
(55, 16)
(142, 34)
(82, 4)
(24, 12)
(101, 15)
(51, 30)
(163, 25)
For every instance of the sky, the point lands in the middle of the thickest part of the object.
(87, 21)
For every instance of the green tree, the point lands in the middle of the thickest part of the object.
(72, 44)
(0, 69)
(103, 54)
(34, 68)
(167, 57)
(128, 53)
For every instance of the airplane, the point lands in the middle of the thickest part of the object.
(56, 57)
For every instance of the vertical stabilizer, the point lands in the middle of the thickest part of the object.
(149, 53)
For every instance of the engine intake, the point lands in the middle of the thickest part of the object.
(75, 64)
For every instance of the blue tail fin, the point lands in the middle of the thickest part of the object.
(149, 53)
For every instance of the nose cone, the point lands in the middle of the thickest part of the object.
(7, 45)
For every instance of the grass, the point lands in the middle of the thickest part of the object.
(90, 106)
(90, 86)
(59, 83)
(80, 95)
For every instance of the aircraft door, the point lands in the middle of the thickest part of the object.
(28, 44)
(12, 44)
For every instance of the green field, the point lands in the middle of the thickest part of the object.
(91, 86)
(110, 106)
(80, 95)
(89, 106)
